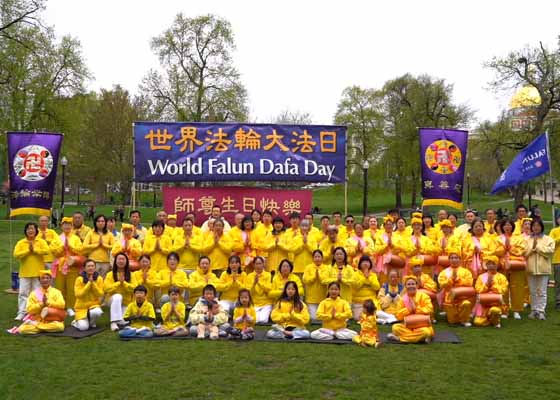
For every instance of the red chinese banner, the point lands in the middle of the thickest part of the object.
(234, 200)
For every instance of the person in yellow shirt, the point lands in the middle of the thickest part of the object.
(217, 247)
(413, 302)
(490, 282)
(188, 244)
(78, 227)
(30, 253)
(368, 335)
(366, 287)
(245, 242)
(359, 245)
(324, 227)
(126, 243)
(521, 213)
(52, 239)
(278, 245)
(244, 317)
(420, 245)
(256, 216)
(315, 290)
(293, 230)
(157, 245)
(230, 283)
(555, 235)
(139, 232)
(260, 283)
(147, 277)
(402, 229)
(88, 289)
(313, 231)
(388, 245)
(347, 231)
(141, 315)
(172, 276)
(200, 278)
(463, 230)
(477, 244)
(445, 240)
(304, 243)
(45, 309)
(173, 315)
(491, 219)
(171, 227)
(68, 263)
(373, 229)
(289, 315)
(458, 310)
(510, 248)
(335, 313)
(340, 272)
(98, 243)
(425, 283)
(119, 285)
(282, 276)
(388, 298)
(330, 243)
(263, 232)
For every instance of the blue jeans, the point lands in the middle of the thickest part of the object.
(133, 332)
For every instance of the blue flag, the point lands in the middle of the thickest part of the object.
(531, 162)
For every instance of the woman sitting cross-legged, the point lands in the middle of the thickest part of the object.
(290, 315)
(334, 312)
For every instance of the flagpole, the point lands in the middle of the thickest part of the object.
(550, 174)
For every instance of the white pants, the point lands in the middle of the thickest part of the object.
(228, 306)
(297, 333)
(385, 318)
(537, 287)
(26, 286)
(312, 308)
(263, 313)
(84, 324)
(357, 309)
(328, 334)
(117, 308)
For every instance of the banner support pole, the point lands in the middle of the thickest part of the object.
(133, 188)
(346, 173)
(550, 175)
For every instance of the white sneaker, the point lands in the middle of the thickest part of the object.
(277, 327)
(516, 315)
(499, 326)
(466, 324)
(434, 321)
(74, 324)
(504, 316)
(70, 312)
(443, 313)
(19, 317)
(532, 315)
(114, 326)
(393, 337)
(541, 316)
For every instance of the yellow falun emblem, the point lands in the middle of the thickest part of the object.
(443, 157)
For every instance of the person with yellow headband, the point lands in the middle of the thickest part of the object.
(68, 264)
(425, 282)
(446, 239)
(458, 310)
(128, 245)
(386, 245)
(171, 228)
(29, 251)
(45, 309)
(97, 245)
(490, 282)
(419, 245)
(413, 302)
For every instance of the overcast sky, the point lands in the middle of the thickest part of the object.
(300, 55)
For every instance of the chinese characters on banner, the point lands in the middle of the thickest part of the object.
(33, 158)
(234, 200)
(443, 155)
(170, 152)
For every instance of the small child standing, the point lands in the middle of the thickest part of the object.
(141, 315)
(173, 315)
(368, 322)
(208, 318)
(244, 317)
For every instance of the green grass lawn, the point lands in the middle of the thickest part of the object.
(519, 361)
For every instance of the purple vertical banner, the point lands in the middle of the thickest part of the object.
(443, 155)
(33, 158)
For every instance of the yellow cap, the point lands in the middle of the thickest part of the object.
(66, 220)
(416, 215)
(172, 216)
(454, 250)
(387, 218)
(45, 272)
(492, 259)
(416, 261)
(527, 219)
(416, 221)
(127, 226)
(445, 222)
(409, 277)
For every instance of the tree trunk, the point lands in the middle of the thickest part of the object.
(398, 193)
(518, 194)
(414, 193)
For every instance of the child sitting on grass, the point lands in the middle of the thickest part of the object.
(244, 317)
(368, 322)
(208, 318)
(173, 315)
(141, 315)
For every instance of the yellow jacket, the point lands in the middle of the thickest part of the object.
(355, 249)
(177, 278)
(327, 247)
(53, 241)
(243, 243)
(35, 305)
(284, 314)
(555, 235)
(422, 303)
(263, 235)
(172, 320)
(82, 232)
(88, 295)
(445, 243)
(487, 247)
(151, 282)
(420, 245)
(342, 313)
(96, 252)
(447, 282)
(31, 262)
(188, 255)
(315, 291)
(499, 284)
(426, 282)
(366, 288)
(197, 281)
(158, 257)
(489, 227)
(133, 248)
(347, 282)
(244, 318)
(303, 251)
(230, 284)
(539, 260)
(278, 284)
(389, 296)
(259, 290)
(516, 247)
(432, 233)
(372, 235)
(399, 245)
(140, 317)
(218, 252)
(124, 288)
(277, 250)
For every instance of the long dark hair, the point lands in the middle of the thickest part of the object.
(297, 302)
(97, 217)
(126, 268)
(31, 224)
(233, 258)
(345, 255)
(246, 219)
(248, 293)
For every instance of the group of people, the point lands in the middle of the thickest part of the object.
(219, 280)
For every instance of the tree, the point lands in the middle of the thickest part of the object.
(14, 13)
(288, 116)
(198, 81)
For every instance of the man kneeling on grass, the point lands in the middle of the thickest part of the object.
(141, 315)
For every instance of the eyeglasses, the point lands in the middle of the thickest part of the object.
(349, 221)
